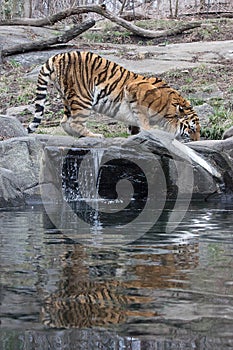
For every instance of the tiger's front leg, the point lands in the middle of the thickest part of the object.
(74, 123)
(139, 110)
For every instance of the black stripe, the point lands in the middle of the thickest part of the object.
(128, 74)
(45, 74)
(41, 88)
(113, 71)
(69, 58)
(39, 108)
(151, 103)
(40, 96)
(42, 80)
(87, 77)
(36, 120)
(54, 58)
(95, 64)
(30, 131)
(86, 72)
(102, 76)
(87, 58)
(112, 87)
(82, 104)
(158, 80)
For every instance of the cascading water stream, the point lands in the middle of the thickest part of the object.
(80, 175)
(81, 183)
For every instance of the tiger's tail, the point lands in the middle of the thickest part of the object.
(41, 92)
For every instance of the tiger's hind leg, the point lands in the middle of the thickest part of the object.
(74, 123)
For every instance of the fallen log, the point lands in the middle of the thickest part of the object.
(215, 14)
(44, 44)
(101, 10)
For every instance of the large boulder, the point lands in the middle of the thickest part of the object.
(98, 183)
(10, 193)
(228, 133)
(204, 111)
(49, 165)
(23, 113)
(207, 147)
(20, 165)
(208, 164)
(10, 127)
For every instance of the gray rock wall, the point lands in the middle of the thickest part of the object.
(19, 163)
(31, 163)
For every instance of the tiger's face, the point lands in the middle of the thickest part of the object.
(188, 121)
(164, 107)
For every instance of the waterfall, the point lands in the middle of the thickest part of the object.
(88, 175)
(80, 182)
(80, 175)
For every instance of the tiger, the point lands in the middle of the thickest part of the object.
(88, 82)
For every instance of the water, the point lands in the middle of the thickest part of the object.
(161, 292)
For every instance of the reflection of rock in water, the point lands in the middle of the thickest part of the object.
(91, 294)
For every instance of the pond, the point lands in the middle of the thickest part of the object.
(163, 291)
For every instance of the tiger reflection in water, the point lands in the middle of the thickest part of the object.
(90, 296)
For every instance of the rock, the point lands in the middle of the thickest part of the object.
(224, 147)
(204, 112)
(32, 75)
(20, 157)
(50, 165)
(219, 153)
(208, 92)
(19, 35)
(228, 133)
(207, 168)
(22, 113)
(10, 193)
(11, 127)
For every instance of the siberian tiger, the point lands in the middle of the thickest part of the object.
(88, 82)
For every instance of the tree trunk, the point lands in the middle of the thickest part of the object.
(28, 8)
(177, 8)
(122, 6)
(170, 6)
(202, 5)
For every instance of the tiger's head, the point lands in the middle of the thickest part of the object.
(164, 107)
(188, 125)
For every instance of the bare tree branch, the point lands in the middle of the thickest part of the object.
(44, 44)
(107, 14)
(209, 14)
